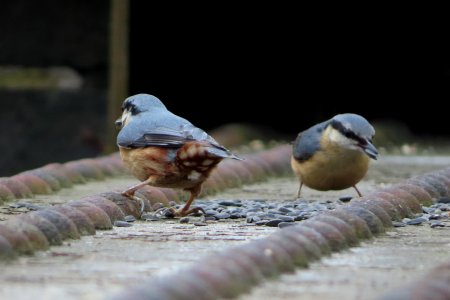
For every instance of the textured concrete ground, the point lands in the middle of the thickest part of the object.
(100, 266)
(367, 271)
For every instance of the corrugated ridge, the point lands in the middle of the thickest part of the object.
(37, 230)
(236, 270)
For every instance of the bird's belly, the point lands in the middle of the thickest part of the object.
(144, 162)
(333, 171)
(159, 164)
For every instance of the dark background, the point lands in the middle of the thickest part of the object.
(274, 67)
(285, 68)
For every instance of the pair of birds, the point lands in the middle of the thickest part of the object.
(165, 150)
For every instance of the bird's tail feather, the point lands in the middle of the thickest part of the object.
(222, 153)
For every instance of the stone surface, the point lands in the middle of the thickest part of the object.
(107, 263)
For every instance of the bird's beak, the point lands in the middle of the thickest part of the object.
(123, 120)
(370, 150)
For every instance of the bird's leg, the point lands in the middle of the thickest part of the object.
(299, 190)
(129, 192)
(195, 191)
(359, 193)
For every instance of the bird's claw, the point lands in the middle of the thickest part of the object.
(135, 198)
(171, 212)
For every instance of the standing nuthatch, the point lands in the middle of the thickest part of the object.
(334, 155)
(162, 149)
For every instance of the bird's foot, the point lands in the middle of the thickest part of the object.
(137, 199)
(172, 212)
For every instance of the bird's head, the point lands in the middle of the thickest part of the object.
(135, 105)
(353, 132)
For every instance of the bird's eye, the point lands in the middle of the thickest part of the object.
(353, 136)
(350, 134)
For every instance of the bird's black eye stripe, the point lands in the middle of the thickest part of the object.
(351, 135)
(347, 133)
(131, 108)
(134, 110)
(126, 105)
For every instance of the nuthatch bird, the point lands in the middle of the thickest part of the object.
(334, 155)
(164, 150)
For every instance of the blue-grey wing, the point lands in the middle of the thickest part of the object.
(159, 136)
(195, 133)
(308, 142)
(214, 147)
(166, 130)
(162, 129)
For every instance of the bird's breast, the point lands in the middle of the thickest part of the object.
(332, 168)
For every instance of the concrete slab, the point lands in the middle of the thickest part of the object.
(98, 267)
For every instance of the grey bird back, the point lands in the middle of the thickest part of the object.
(157, 122)
(308, 142)
(154, 125)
